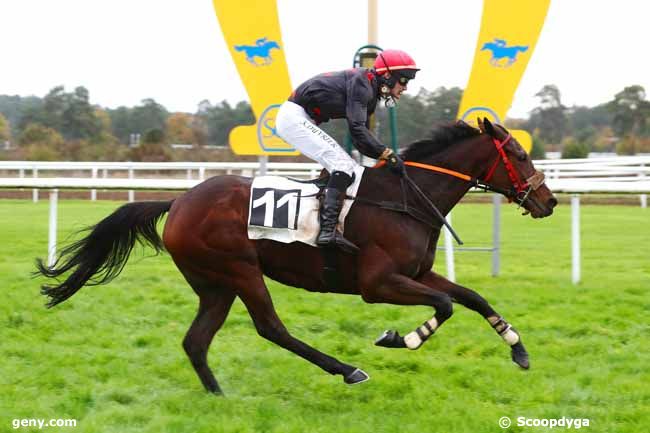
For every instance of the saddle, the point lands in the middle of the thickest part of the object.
(321, 181)
(287, 210)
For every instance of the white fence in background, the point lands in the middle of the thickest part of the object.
(630, 169)
(138, 170)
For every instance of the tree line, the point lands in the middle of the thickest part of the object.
(65, 125)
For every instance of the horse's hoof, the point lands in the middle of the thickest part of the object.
(520, 356)
(390, 339)
(216, 391)
(357, 376)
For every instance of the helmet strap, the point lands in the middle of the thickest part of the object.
(388, 83)
(385, 64)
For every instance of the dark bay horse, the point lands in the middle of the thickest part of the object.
(206, 235)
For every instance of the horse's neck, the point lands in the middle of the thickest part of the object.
(470, 157)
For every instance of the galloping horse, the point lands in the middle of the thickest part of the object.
(206, 235)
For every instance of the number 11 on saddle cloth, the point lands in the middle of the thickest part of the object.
(286, 210)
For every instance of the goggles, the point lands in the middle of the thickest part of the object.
(403, 80)
(405, 75)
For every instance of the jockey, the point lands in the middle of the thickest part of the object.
(352, 95)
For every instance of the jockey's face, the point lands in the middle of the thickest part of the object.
(397, 90)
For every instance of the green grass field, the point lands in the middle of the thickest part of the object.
(111, 356)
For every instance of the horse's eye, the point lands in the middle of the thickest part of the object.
(522, 156)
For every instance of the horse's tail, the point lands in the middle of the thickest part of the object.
(102, 254)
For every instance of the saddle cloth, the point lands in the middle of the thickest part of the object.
(286, 210)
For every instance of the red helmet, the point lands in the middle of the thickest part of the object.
(394, 61)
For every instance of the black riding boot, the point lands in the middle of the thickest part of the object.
(330, 208)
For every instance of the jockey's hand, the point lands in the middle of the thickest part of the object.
(395, 163)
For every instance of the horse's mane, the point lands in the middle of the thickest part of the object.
(441, 138)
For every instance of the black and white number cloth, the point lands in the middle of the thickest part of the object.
(286, 211)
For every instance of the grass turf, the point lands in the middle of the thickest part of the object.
(111, 357)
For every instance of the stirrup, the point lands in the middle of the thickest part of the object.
(339, 241)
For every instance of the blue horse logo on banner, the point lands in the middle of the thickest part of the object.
(501, 50)
(261, 49)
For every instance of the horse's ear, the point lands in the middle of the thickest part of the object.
(481, 126)
(488, 127)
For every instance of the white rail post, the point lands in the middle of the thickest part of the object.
(263, 159)
(35, 191)
(105, 173)
(51, 241)
(93, 192)
(449, 252)
(189, 174)
(575, 238)
(496, 234)
(643, 197)
(131, 192)
(201, 174)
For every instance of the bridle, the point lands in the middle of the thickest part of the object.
(519, 192)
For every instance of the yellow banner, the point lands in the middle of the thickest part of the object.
(252, 32)
(509, 32)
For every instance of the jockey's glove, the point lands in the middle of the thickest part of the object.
(394, 162)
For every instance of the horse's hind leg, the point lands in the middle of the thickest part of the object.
(472, 300)
(214, 306)
(255, 295)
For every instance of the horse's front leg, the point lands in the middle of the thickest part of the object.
(472, 300)
(400, 290)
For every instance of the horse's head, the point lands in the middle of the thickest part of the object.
(513, 171)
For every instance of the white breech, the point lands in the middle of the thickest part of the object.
(294, 126)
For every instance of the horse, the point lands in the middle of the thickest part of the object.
(500, 51)
(206, 236)
(261, 49)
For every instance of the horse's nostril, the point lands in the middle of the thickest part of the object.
(552, 202)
